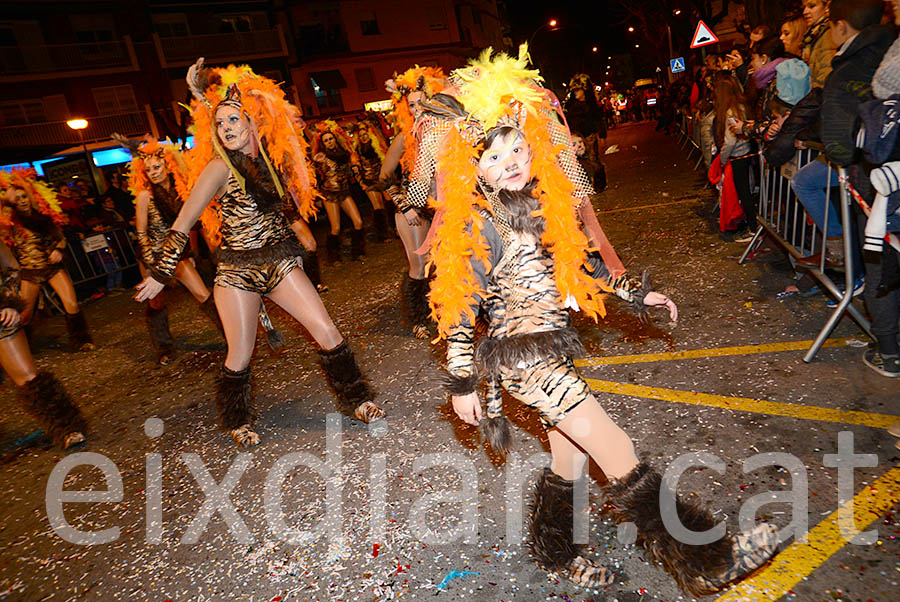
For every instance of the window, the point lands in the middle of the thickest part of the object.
(20, 112)
(235, 23)
(365, 79)
(115, 99)
(436, 19)
(171, 25)
(368, 23)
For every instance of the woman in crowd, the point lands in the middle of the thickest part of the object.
(369, 147)
(32, 219)
(818, 47)
(510, 244)
(792, 31)
(255, 161)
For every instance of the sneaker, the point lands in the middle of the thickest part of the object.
(858, 289)
(886, 366)
(744, 236)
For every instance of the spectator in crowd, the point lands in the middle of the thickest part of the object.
(122, 200)
(818, 46)
(759, 32)
(731, 108)
(584, 114)
(792, 31)
(862, 42)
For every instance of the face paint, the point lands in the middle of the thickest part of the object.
(507, 162)
(414, 98)
(329, 142)
(233, 128)
(156, 169)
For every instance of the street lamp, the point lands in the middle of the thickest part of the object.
(79, 126)
(594, 49)
(552, 23)
(631, 30)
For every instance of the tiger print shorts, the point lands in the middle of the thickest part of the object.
(551, 386)
(40, 275)
(260, 279)
(8, 332)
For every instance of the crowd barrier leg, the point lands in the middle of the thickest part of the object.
(845, 304)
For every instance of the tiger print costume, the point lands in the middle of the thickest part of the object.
(530, 341)
(10, 298)
(336, 175)
(34, 237)
(162, 210)
(258, 247)
(369, 166)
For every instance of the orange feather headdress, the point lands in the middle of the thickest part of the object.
(42, 196)
(276, 124)
(329, 126)
(502, 91)
(142, 149)
(429, 81)
(375, 137)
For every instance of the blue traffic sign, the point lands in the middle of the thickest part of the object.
(677, 65)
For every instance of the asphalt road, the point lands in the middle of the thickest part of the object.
(440, 502)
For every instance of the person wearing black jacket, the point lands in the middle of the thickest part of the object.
(584, 114)
(862, 43)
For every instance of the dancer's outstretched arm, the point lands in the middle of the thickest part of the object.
(211, 183)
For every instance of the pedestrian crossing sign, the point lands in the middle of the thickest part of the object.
(677, 65)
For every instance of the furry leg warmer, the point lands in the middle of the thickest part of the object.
(208, 307)
(235, 403)
(354, 397)
(550, 538)
(357, 243)
(379, 225)
(312, 270)
(160, 335)
(415, 297)
(79, 335)
(698, 569)
(333, 247)
(47, 401)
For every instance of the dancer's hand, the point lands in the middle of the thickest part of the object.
(412, 218)
(148, 288)
(654, 299)
(9, 317)
(56, 256)
(467, 407)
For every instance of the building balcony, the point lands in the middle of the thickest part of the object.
(50, 61)
(240, 46)
(57, 133)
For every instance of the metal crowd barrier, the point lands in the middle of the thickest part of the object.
(784, 219)
(689, 136)
(100, 254)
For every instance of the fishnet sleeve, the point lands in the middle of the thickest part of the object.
(422, 176)
(559, 135)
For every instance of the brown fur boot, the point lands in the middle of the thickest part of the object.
(352, 392)
(79, 335)
(47, 401)
(160, 335)
(699, 569)
(550, 538)
(235, 403)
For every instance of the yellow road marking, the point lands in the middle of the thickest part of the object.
(745, 404)
(798, 560)
(712, 352)
(650, 206)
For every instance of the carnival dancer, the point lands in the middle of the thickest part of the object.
(244, 130)
(370, 147)
(43, 396)
(332, 151)
(158, 181)
(413, 218)
(508, 240)
(32, 219)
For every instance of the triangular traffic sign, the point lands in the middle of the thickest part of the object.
(704, 36)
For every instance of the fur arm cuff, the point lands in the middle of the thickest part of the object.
(455, 384)
(169, 256)
(9, 292)
(632, 290)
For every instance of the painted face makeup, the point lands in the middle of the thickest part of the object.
(414, 99)
(233, 128)
(329, 142)
(156, 169)
(507, 162)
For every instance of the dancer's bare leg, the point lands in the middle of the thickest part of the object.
(188, 275)
(333, 211)
(589, 427)
(352, 212)
(376, 198)
(304, 235)
(30, 292)
(15, 357)
(297, 296)
(62, 284)
(239, 310)
(412, 238)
